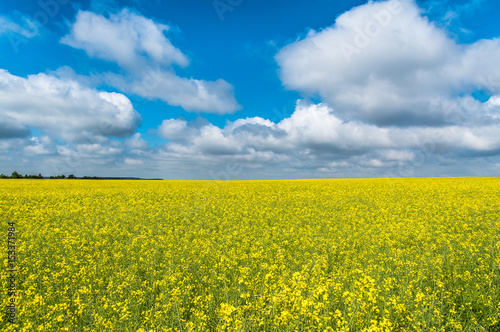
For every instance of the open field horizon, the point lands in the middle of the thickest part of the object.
(218, 181)
(234, 165)
(281, 255)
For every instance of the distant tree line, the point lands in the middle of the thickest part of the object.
(16, 175)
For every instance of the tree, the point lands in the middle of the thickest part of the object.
(71, 176)
(16, 175)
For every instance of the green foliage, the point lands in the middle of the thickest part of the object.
(16, 175)
(58, 177)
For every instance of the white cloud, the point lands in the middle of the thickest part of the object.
(139, 45)
(190, 94)
(314, 131)
(384, 63)
(317, 127)
(125, 38)
(63, 108)
(174, 129)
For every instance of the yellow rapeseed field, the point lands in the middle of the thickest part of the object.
(298, 255)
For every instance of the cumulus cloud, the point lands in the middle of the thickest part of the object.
(125, 38)
(62, 108)
(175, 129)
(190, 94)
(384, 63)
(315, 132)
(140, 46)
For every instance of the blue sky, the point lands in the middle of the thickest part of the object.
(240, 89)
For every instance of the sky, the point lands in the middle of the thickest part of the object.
(250, 89)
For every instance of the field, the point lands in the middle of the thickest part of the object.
(301, 255)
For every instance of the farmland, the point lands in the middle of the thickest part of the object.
(295, 255)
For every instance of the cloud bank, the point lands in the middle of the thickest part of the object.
(315, 132)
